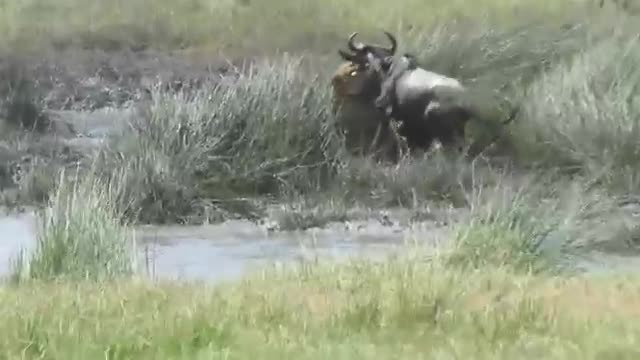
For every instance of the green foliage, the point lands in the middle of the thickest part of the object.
(234, 26)
(402, 309)
(584, 114)
(266, 134)
(80, 237)
(508, 226)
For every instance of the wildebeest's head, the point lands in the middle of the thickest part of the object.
(362, 54)
(356, 78)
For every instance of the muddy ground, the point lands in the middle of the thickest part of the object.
(69, 97)
(69, 94)
(85, 80)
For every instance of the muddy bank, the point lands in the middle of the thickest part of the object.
(30, 162)
(84, 80)
(90, 79)
(73, 100)
(76, 98)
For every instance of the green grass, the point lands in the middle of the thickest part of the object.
(227, 142)
(402, 308)
(585, 114)
(80, 236)
(233, 26)
(491, 294)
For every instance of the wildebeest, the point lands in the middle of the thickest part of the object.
(429, 105)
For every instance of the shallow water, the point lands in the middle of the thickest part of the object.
(226, 251)
(601, 263)
(16, 232)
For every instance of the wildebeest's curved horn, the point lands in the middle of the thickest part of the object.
(394, 42)
(358, 46)
(347, 56)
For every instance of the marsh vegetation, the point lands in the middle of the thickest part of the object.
(202, 111)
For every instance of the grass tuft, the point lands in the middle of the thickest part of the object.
(583, 115)
(510, 225)
(267, 133)
(80, 236)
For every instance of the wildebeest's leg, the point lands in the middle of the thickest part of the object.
(447, 123)
(391, 145)
(415, 135)
(380, 142)
(401, 147)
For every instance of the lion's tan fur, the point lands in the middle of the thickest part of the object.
(366, 128)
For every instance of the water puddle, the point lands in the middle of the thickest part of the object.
(226, 251)
(17, 233)
(601, 263)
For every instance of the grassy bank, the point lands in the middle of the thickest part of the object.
(490, 295)
(402, 309)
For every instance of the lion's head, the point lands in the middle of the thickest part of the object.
(354, 88)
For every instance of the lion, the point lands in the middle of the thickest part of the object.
(367, 130)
